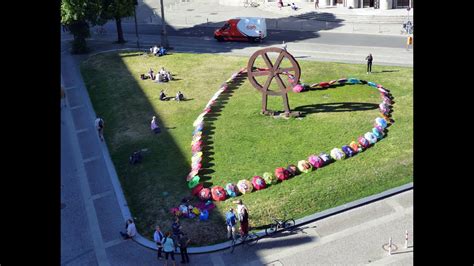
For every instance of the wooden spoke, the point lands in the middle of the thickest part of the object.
(273, 71)
(260, 73)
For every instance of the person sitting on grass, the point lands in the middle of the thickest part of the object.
(162, 70)
(179, 96)
(163, 96)
(136, 157)
(151, 74)
(154, 126)
(161, 51)
(166, 74)
(155, 50)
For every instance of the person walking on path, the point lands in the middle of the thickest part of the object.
(231, 221)
(158, 237)
(99, 125)
(183, 247)
(316, 4)
(131, 230)
(369, 59)
(168, 248)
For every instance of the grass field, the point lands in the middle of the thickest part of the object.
(241, 142)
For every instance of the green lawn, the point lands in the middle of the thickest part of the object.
(242, 143)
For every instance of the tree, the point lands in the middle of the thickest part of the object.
(76, 15)
(117, 9)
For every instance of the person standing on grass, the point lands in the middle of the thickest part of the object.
(243, 214)
(369, 59)
(99, 125)
(231, 221)
(183, 247)
(168, 248)
(131, 230)
(158, 237)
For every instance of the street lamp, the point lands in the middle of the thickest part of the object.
(164, 37)
(135, 3)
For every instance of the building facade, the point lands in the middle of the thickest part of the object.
(382, 4)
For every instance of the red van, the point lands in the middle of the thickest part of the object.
(242, 29)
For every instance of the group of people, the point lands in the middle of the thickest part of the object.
(162, 76)
(179, 96)
(169, 242)
(158, 51)
(292, 5)
(242, 216)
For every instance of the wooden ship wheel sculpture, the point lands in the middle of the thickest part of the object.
(273, 71)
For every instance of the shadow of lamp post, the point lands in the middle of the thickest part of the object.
(164, 37)
(135, 3)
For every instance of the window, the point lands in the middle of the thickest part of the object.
(403, 3)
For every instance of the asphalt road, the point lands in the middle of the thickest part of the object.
(277, 36)
(304, 45)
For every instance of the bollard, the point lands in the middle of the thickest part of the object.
(390, 246)
(406, 239)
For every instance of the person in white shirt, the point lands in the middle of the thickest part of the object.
(99, 125)
(131, 230)
(155, 50)
(154, 126)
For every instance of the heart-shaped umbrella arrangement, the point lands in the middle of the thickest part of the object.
(313, 161)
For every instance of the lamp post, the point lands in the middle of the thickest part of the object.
(164, 37)
(135, 3)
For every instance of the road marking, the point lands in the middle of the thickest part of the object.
(71, 260)
(394, 204)
(81, 130)
(217, 259)
(283, 253)
(101, 195)
(90, 159)
(76, 107)
(69, 88)
(114, 242)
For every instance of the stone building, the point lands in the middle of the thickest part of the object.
(382, 4)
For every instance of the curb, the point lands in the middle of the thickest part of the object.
(206, 249)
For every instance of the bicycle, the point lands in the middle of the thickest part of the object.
(250, 239)
(279, 224)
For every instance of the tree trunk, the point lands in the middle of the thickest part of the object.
(80, 31)
(118, 23)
